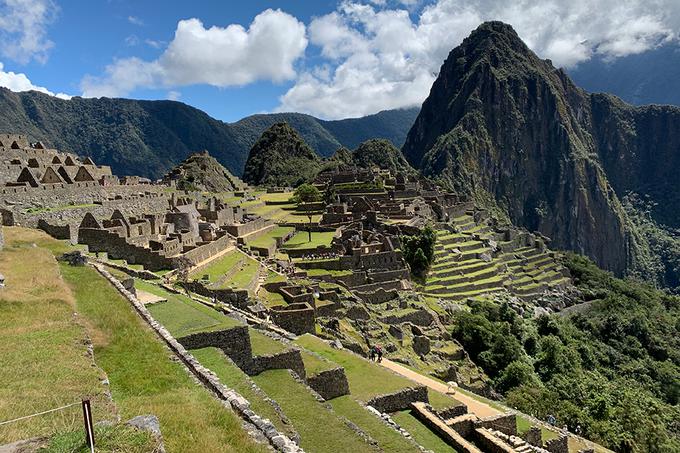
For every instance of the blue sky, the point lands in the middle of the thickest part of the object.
(332, 59)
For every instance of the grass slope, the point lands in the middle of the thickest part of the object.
(45, 363)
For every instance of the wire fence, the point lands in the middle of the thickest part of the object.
(25, 417)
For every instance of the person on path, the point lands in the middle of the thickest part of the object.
(372, 353)
(379, 352)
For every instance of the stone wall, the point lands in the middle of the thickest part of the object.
(234, 342)
(419, 317)
(205, 251)
(330, 383)
(286, 360)
(296, 318)
(399, 401)
(117, 247)
(235, 297)
(505, 423)
(558, 445)
(63, 232)
(450, 436)
(490, 443)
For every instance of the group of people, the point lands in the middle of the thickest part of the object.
(375, 354)
(552, 421)
(320, 256)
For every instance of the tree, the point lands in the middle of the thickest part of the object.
(306, 193)
(419, 250)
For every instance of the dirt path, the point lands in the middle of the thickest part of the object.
(474, 406)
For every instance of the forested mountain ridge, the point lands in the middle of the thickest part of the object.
(148, 138)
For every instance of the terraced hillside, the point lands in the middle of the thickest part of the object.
(472, 259)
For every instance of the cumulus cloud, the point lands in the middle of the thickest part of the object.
(23, 25)
(134, 20)
(20, 82)
(218, 56)
(381, 56)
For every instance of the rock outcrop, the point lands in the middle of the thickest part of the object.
(201, 171)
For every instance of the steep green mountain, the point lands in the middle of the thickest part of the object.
(148, 138)
(280, 157)
(504, 125)
(382, 153)
(201, 171)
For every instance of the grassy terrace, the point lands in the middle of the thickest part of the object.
(367, 379)
(269, 239)
(234, 269)
(421, 433)
(183, 316)
(232, 376)
(321, 429)
(42, 344)
(301, 240)
(143, 380)
(388, 439)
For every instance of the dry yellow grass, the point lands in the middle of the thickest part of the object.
(44, 358)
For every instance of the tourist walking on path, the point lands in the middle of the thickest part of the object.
(379, 353)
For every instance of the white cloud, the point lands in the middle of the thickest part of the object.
(173, 95)
(134, 20)
(23, 25)
(19, 82)
(382, 58)
(218, 56)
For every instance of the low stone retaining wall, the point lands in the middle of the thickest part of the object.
(330, 383)
(491, 443)
(505, 423)
(287, 360)
(235, 297)
(234, 342)
(399, 401)
(239, 404)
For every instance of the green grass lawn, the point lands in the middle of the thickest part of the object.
(389, 440)
(421, 433)
(320, 429)
(183, 316)
(366, 379)
(42, 345)
(143, 378)
(220, 266)
(232, 376)
(301, 240)
(113, 439)
(269, 238)
(264, 345)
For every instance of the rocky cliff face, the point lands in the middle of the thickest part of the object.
(499, 121)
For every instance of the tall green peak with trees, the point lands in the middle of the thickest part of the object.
(280, 157)
(509, 129)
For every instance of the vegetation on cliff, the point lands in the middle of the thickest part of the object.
(505, 126)
(280, 157)
(611, 366)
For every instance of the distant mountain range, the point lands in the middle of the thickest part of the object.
(148, 138)
(651, 77)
